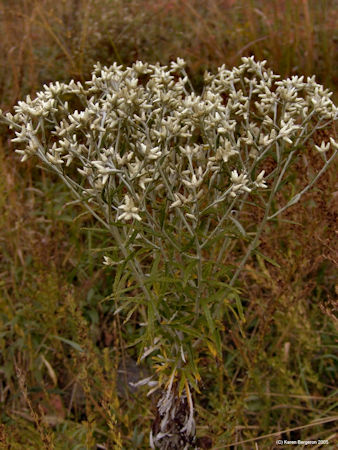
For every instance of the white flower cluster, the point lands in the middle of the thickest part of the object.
(140, 138)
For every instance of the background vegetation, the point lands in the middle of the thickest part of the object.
(65, 356)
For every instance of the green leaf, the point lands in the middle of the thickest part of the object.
(154, 269)
(191, 361)
(181, 384)
(155, 278)
(130, 314)
(218, 341)
(119, 281)
(140, 300)
(239, 305)
(186, 329)
(192, 381)
(211, 325)
(188, 271)
(163, 213)
(239, 308)
(220, 293)
(134, 253)
(205, 307)
(96, 230)
(147, 230)
(71, 343)
(131, 239)
(151, 322)
(238, 225)
(104, 249)
(271, 261)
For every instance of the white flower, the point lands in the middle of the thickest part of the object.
(334, 143)
(196, 181)
(239, 183)
(140, 68)
(178, 64)
(324, 147)
(130, 210)
(54, 159)
(260, 180)
(150, 153)
(287, 130)
(107, 261)
(176, 203)
(224, 152)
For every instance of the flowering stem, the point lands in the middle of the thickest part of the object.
(298, 196)
(254, 242)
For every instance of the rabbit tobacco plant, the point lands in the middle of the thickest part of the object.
(168, 173)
